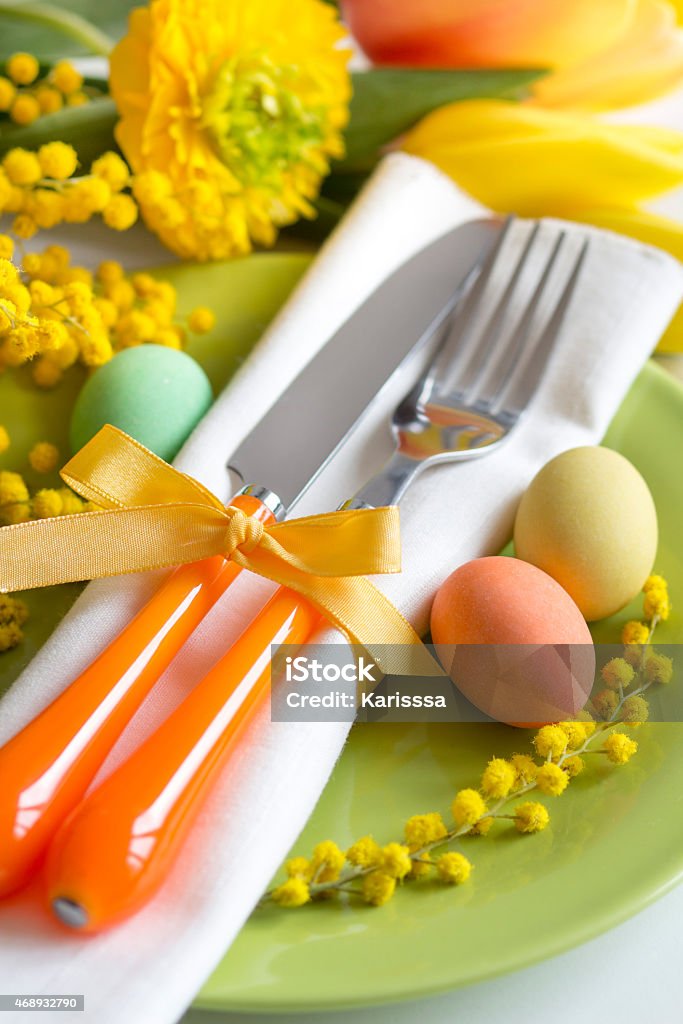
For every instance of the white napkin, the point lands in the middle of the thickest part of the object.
(148, 969)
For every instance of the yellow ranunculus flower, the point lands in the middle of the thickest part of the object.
(533, 162)
(230, 114)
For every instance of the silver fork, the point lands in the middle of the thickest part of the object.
(492, 352)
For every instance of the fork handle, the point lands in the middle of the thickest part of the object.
(388, 486)
(117, 846)
(47, 767)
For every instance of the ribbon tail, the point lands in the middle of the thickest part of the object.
(368, 618)
(357, 608)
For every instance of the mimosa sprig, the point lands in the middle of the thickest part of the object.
(372, 872)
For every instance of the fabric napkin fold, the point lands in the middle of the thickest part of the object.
(149, 968)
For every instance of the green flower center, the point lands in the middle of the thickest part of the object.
(258, 122)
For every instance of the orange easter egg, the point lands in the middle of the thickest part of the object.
(513, 641)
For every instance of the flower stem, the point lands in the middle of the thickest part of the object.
(57, 18)
(345, 882)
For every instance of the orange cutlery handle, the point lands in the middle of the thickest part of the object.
(115, 849)
(47, 767)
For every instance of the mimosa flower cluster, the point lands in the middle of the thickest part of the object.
(626, 678)
(26, 93)
(43, 189)
(13, 615)
(17, 505)
(372, 872)
(54, 314)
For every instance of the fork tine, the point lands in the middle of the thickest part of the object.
(515, 396)
(433, 425)
(503, 363)
(459, 326)
(464, 374)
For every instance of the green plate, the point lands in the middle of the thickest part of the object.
(615, 841)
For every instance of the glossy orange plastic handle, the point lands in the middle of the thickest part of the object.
(47, 767)
(115, 849)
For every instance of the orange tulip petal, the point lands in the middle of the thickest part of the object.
(645, 62)
(486, 33)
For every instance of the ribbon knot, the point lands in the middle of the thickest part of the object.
(153, 516)
(244, 532)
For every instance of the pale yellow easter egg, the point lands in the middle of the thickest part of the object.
(589, 521)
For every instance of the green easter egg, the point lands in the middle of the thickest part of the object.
(156, 394)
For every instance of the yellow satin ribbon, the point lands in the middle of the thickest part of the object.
(154, 516)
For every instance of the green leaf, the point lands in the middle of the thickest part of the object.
(110, 16)
(343, 188)
(388, 101)
(89, 129)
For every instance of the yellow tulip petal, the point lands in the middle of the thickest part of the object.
(645, 62)
(654, 230)
(535, 162)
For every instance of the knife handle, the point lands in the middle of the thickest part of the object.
(47, 767)
(114, 850)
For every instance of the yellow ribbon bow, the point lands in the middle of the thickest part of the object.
(154, 516)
